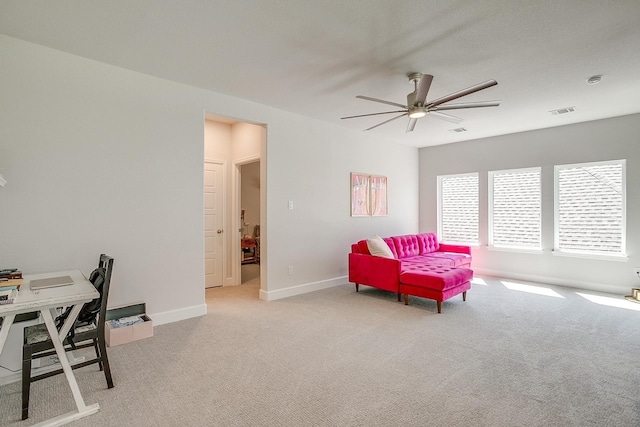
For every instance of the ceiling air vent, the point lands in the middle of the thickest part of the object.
(564, 110)
(458, 130)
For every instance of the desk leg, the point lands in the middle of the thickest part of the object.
(83, 410)
(4, 329)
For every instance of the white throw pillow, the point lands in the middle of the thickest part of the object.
(378, 247)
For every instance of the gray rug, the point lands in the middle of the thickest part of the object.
(506, 357)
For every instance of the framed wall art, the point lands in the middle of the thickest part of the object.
(368, 195)
(360, 194)
(378, 197)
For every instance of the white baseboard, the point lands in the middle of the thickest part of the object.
(591, 286)
(178, 314)
(302, 289)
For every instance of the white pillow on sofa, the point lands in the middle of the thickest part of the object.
(378, 247)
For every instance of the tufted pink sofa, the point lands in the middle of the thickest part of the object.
(421, 266)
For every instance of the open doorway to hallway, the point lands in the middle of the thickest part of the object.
(236, 147)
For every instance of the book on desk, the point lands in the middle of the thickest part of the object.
(7, 295)
(10, 282)
(10, 273)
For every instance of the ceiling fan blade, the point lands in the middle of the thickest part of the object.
(462, 105)
(446, 117)
(423, 88)
(411, 124)
(386, 121)
(373, 114)
(368, 98)
(461, 93)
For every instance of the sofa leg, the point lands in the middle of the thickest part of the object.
(399, 296)
(439, 306)
(357, 287)
(464, 296)
(406, 299)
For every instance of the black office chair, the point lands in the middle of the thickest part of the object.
(37, 342)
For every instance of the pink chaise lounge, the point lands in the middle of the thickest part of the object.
(416, 264)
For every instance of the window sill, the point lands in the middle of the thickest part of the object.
(518, 250)
(473, 245)
(620, 258)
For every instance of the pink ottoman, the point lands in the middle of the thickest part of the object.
(435, 282)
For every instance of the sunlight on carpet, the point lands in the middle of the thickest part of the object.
(611, 302)
(539, 290)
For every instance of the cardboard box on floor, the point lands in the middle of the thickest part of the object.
(117, 336)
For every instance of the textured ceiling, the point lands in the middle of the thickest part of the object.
(314, 57)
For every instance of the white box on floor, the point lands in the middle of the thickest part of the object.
(126, 334)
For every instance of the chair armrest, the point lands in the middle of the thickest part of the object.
(379, 272)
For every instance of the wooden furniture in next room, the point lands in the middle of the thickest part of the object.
(250, 247)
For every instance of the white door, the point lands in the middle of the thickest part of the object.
(213, 224)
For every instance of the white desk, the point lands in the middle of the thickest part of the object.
(46, 301)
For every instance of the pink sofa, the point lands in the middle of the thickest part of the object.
(421, 266)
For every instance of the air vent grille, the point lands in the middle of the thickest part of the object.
(564, 110)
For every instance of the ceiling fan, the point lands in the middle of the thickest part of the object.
(417, 105)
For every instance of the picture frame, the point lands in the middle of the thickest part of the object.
(360, 194)
(378, 198)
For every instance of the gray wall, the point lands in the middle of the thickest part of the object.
(610, 139)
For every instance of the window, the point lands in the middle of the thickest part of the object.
(515, 209)
(590, 208)
(458, 208)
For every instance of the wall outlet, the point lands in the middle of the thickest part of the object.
(290, 270)
(637, 271)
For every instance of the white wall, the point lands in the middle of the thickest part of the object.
(102, 159)
(611, 139)
(246, 139)
(217, 141)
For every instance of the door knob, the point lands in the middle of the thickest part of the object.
(219, 231)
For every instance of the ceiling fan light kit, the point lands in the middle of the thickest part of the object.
(416, 113)
(418, 107)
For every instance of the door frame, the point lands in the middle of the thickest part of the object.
(235, 214)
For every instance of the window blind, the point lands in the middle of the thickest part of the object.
(458, 213)
(590, 203)
(515, 209)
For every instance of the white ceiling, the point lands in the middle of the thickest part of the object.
(314, 57)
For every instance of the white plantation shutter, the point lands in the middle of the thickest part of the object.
(458, 208)
(590, 208)
(515, 209)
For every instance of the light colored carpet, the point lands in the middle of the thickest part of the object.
(250, 274)
(335, 357)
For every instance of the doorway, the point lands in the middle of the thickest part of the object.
(249, 177)
(238, 149)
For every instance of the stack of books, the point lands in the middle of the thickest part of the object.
(10, 282)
